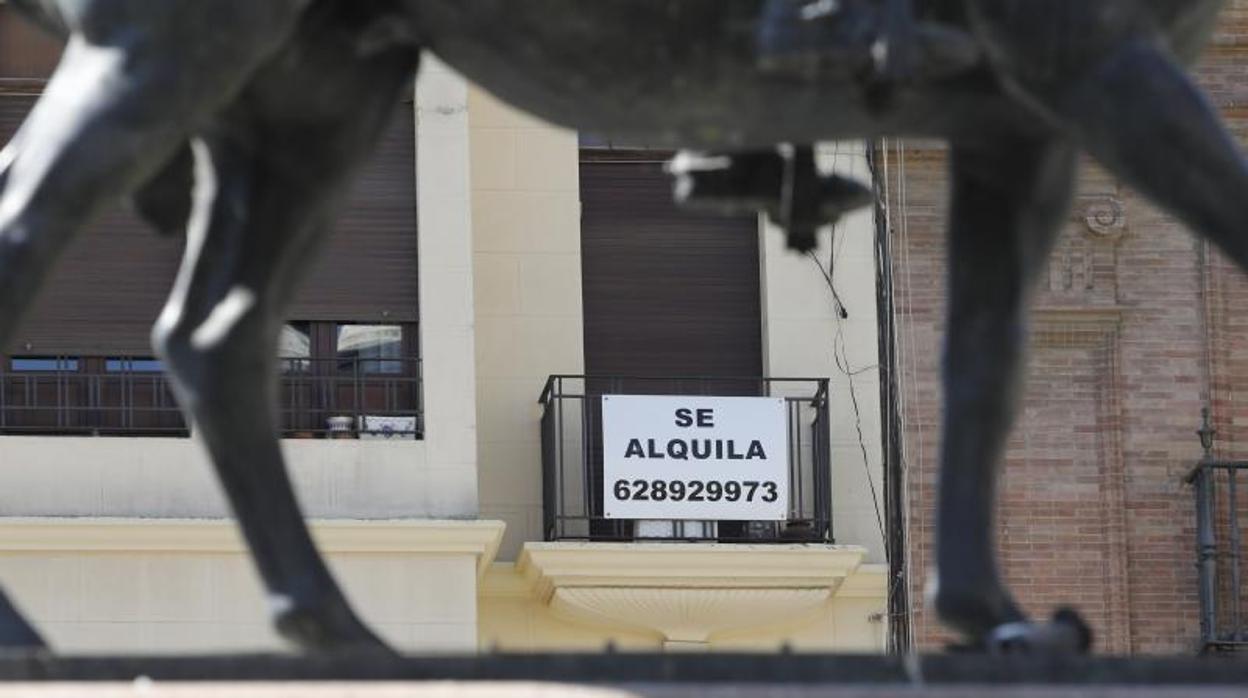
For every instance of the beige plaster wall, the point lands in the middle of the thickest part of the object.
(513, 619)
(146, 586)
(527, 285)
(142, 477)
(801, 332)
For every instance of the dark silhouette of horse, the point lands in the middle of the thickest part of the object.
(281, 100)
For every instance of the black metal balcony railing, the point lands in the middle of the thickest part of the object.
(572, 465)
(1223, 624)
(369, 397)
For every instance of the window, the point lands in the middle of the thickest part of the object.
(365, 372)
(294, 347)
(48, 364)
(370, 348)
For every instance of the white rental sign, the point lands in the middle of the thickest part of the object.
(701, 458)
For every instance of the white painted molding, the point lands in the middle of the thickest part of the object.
(108, 535)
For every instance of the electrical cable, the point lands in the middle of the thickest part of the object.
(841, 359)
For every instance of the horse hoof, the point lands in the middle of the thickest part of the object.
(327, 628)
(1066, 633)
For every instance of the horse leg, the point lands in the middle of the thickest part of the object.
(1008, 204)
(275, 181)
(128, 89)
(106, 119)
(164, 201)
(1140, 115)
(15, 632)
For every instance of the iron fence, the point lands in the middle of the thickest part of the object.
(572, 460)
(1220, 545)
(339, 398)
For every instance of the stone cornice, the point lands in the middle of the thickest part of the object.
(689, 592)
(108, 535)
(548, 566)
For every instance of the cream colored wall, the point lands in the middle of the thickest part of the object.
(142, 477)
(800, 332)
(526, 254)
(130, 585)
(514, 618)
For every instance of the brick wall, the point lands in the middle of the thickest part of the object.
(1137, 325)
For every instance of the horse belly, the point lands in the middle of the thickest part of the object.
(649, 72)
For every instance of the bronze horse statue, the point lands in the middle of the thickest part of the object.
(280, 101)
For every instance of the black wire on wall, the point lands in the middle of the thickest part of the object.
(896, 548)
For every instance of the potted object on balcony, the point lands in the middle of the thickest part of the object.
(388, 428)
(340, 427)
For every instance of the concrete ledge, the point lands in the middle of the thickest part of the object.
(664, 674)
(130, 535)
(551, 566)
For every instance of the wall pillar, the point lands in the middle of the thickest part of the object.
(446, 268)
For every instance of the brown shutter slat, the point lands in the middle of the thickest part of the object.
(666, 292)
(111, 283)
(367, 271)
(108, 287)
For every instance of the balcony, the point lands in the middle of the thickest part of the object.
(1220, 545)
(576, 490)
(117, 396)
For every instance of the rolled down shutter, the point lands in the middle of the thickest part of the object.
(367, 271)
(666, 292)
(110, 285)
(104, 293)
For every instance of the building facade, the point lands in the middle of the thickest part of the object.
(1136, 327)
(489, 282)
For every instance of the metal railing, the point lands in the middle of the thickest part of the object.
(572, 460)
(1219, 547)
(337, 398)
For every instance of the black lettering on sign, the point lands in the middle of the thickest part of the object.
(756, 450)
(695, 491)
(732, 451)
(634, 449)
(684, 417)
(654, 452)
(678, 449)
(642, 488)
(706, 418)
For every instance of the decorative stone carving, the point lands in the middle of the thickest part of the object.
(1105, 217)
